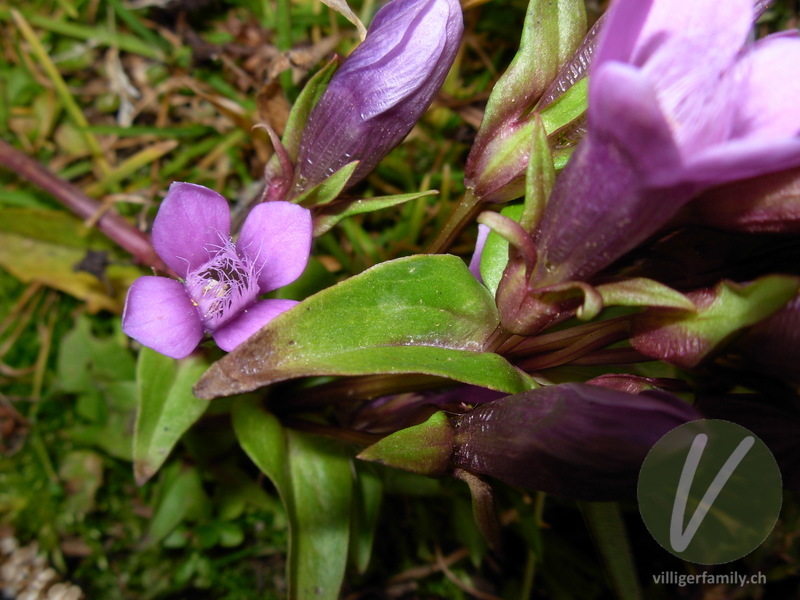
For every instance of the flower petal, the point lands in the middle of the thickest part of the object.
(624, 106)
(621, 185)
(249, 321)
(675, 32)
(402, 65)
(667, 46)
(158, 314)
(742, 159)
(387, 34)
(191, 222)
(475, 262)
(621, 31)
(276, 238)
(767, 102)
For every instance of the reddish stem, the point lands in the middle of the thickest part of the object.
(111, 224)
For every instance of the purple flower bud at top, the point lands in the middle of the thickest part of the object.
(679, 101)
(381, 90)
(222, 279)
(573, 440)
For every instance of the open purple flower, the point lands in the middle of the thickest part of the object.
(679, 101)
(381, 89)
(222, 279)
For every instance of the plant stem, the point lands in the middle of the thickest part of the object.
(111, 224)
(614, 332)
(462, 214)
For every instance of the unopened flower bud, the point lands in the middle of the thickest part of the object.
(573, 440)
(381, 90)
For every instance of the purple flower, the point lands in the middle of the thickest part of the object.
(381, 89)
(222, 279)
(679, 101)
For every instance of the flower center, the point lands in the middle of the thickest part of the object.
(222, 287)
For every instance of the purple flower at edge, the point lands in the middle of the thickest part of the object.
(381, 90)
(679, 101)
(222, 279)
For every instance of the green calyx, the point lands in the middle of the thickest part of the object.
(425, 448)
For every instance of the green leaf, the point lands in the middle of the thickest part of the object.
(425, 448)
(182, 497)
(166, 408)
(332, 214)
(31, 260)
(640, 291)
(81, 472)
(322, 485)
(551, 33)
(114, 434)
(98, 35)
(539, 177)
(608, 529)
(419, 314)
(312, 476)
(367, 496)
(302, 107)
(86, 362)
(566, 108)
(328, 190)
(264, 440)
(495, 252)
(47, 246)
(686, 339)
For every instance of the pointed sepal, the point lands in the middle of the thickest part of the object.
(424, 449)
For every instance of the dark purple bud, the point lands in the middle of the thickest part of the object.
(381, 89)
(631, 384)
(573, 440)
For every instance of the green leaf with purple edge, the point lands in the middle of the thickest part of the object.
(418, 314)
(495, 252)
(328, 190)
(551, 33)
(640, 291)
(303, 106)
(313, 478)
(167, 407)
(332, 214)
(686, 339)
(567, 108)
